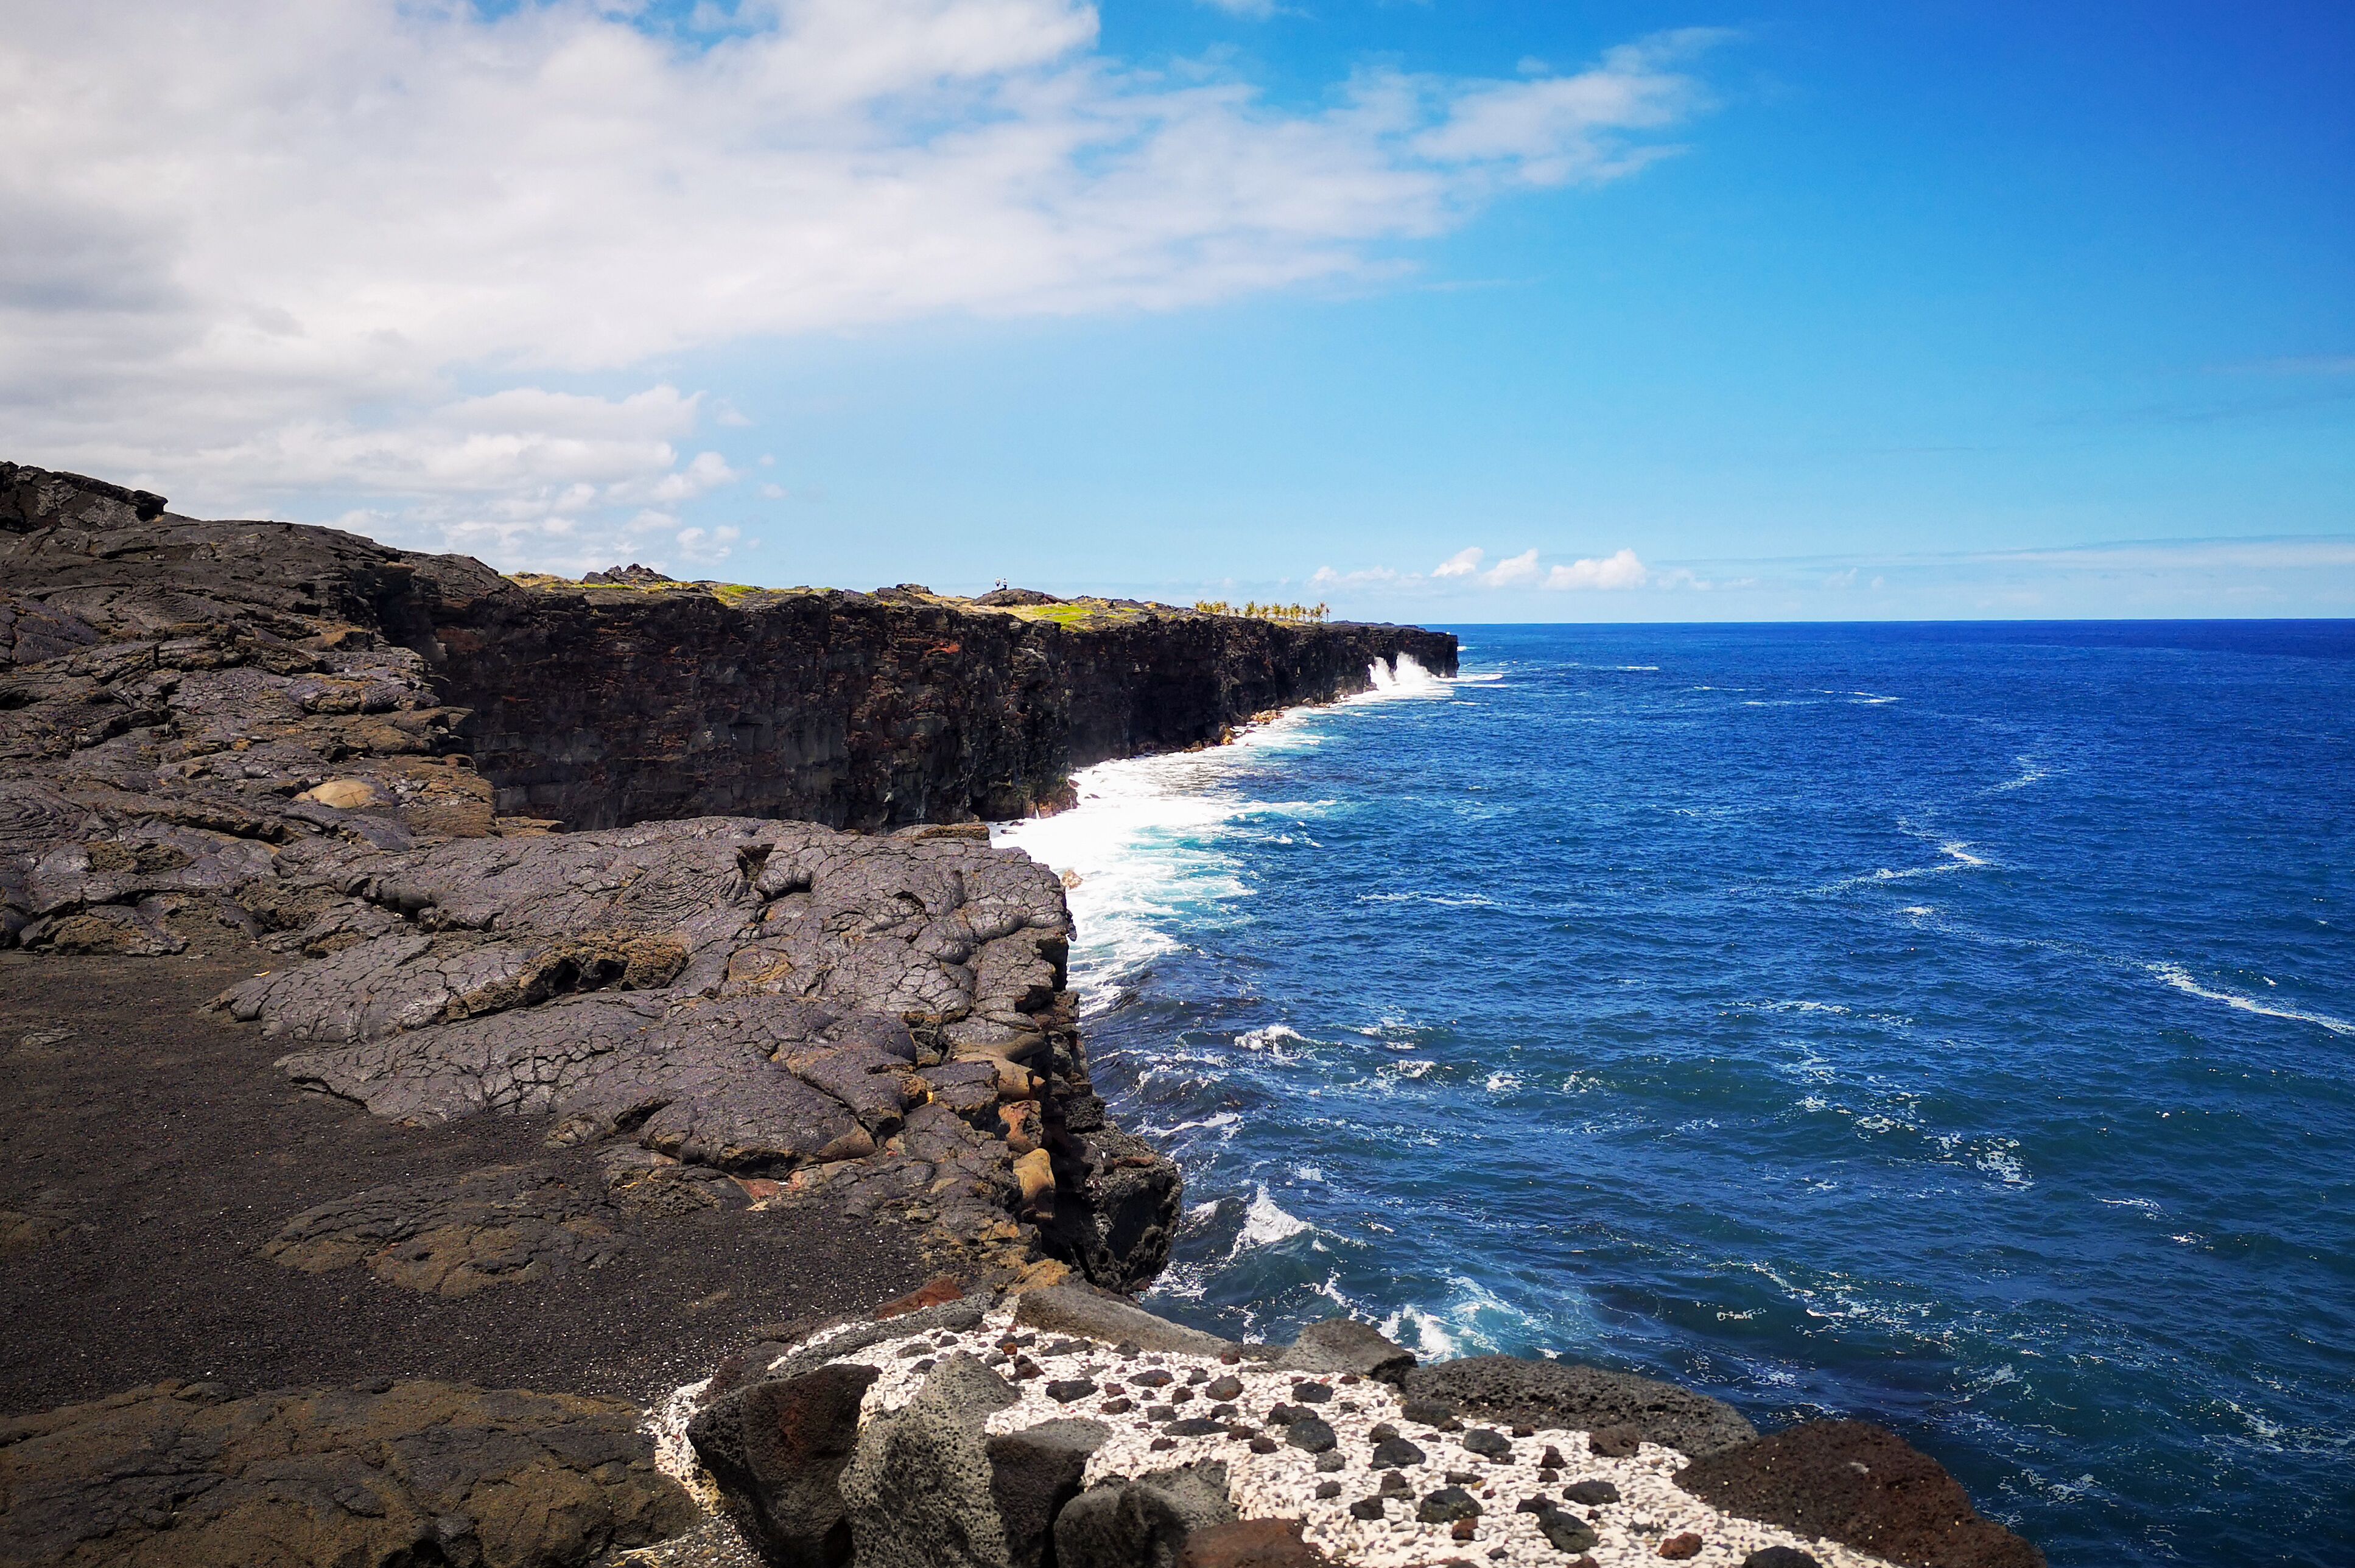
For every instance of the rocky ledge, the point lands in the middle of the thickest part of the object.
(1065, 1426)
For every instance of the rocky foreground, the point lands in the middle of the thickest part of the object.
(1062, 1425)
(348, 1090)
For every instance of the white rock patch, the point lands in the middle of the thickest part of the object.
(674, 1455)
(1283, 1484)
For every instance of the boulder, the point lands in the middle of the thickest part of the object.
(777, 1449)
(1032, 1473)
(1566, 1395)
(1147, 1522)
(1095, 1314)
(918, 1493)
(1863, 1486)
(1346, 1345)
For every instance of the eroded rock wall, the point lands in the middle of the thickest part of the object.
(600, 705)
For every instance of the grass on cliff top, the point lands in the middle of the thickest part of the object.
(1073, 612)
(726, 593)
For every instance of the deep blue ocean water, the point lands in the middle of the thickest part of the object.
(1949, 1026)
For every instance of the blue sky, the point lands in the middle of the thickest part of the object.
(1834, 311)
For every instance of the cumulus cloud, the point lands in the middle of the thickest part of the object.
(260, 257)
(1620, 569)
(1462, 564)
(1513, 571)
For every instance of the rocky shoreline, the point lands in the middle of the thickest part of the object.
(408, 985)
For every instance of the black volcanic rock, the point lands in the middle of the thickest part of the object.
(1547, 1393)
(394, 1472)
(1863, 1486)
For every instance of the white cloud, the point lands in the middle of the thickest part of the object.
(1559, 129)
(1462, 564)
(1513, 571)
(1621, 569)
(1326, 577)
(260, 259)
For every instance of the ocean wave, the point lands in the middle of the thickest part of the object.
(1958, 858)
(1144, 851)
(1225, 1121)
(1271, 1038)
(1265, 1222)
(1473, 1320)
(1444, 900)
(1404, 677)
(2176, 975)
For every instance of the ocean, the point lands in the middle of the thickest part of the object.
(1948, 1026)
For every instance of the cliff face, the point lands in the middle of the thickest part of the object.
(600, 705)
(603, 706)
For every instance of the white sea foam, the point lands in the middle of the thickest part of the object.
(2030, 772)
(1406, 677)
(2001, 1160)
(1265, 1222)
(1959, 857)
(1444, 900)
(1472, 1320)
(2181, 979)
(1502, 1083)
(1144, 849)
(1272, 1039)
(1307, 1173)
(1224, 1122)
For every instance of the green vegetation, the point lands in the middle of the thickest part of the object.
(1257, 611)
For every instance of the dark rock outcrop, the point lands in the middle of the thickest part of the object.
(602, 705)
(1033, 1473)
(1544, 1394)
(778, 1448)
(406, 1472)
(1091, 1315)
(1862, 1484)
(1149, 1521)
(918, 1493)
(1347, 1345)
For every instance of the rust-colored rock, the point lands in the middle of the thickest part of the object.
(932, 1293)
